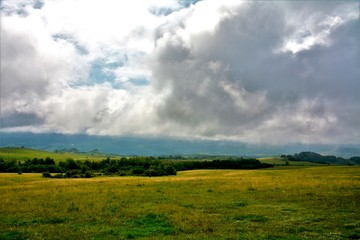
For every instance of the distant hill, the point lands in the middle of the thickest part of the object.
(157, 146)
(22, 154)
(318, 158)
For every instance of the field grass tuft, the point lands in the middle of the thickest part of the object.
(148, 225)
(250, 217)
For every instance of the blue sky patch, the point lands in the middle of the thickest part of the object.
(139, 81)
(187, 3)
(165, 11)
(80, 49)
(100, 73)
(162, 11)
(102, 70)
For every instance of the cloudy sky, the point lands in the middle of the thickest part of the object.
(252, 71)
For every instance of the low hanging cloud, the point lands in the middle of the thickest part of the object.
(260, 72)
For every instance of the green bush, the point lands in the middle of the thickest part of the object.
(88, 175)
(46, 175)
(124, 173)
(138, 171)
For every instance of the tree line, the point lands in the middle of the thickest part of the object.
(138, 166)
(318, 158)
(230, 163)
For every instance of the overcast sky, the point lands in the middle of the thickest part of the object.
(252, 71)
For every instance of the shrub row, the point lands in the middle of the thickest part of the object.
(238, 163)
(140, 166)
(69, 174)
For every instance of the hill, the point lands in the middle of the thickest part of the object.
(318, 158)
(22, 154)
(157, 146)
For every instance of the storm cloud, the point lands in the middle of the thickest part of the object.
(251, 71)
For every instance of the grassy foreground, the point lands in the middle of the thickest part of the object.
(279, 203)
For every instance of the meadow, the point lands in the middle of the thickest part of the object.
(300, 202)
(22, 154)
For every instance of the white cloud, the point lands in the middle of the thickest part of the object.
(312, 28)
(273, 72)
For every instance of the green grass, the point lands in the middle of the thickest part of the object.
(22, 154)
(312, 202)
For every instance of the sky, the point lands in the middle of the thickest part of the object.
(262, 72)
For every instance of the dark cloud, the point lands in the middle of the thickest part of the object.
(20, 66)
(20, 120)
(234, 81)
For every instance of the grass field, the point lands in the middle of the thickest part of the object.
(280, 203)
(22, 154)
(281, 161)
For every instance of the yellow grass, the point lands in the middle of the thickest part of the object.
(279, 203)
(280, 161)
